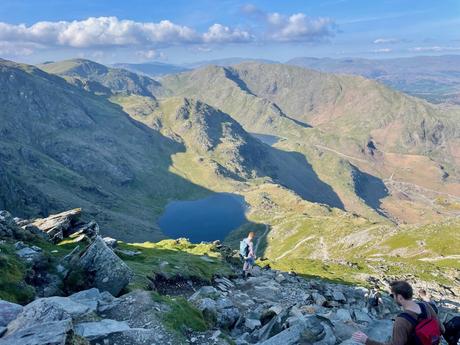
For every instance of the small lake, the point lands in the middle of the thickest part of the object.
(266, 138)
(207, 219)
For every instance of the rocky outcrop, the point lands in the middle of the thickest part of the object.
(59, 225)
(106, 270)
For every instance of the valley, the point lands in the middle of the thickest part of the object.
(314, 156)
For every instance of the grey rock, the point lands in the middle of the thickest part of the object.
(111, 242)
(208, 307)
(308, 330)
(319, 299)
(100, 329)
(45, 310)
(339, 297)
(252, 324)
(380, 330)
(108, 271)
(8, 312)
(204, 291)
(343, 315)
(135, 336)
(361, 316)
(58, 226)
(49, 333)
(227, 318)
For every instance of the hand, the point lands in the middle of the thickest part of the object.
(359, 337)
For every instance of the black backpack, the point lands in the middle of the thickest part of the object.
(452, 333)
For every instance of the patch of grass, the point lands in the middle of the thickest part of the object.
(172, 258)
(182, 315)
(12, 285)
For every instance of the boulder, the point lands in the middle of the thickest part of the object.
(308, 330)
(343, 315)
(100, 329)
(339, 297)
(252, 324)
(49, 333)
(208, 307)
(89, 230)
(111, 242)
(44, 310)
(319, 299)
(8, 312)
(227, 318)
(361, 316)
(59, 225)
(203, 292)
(93, 298)
(380, 330)
(107, 271)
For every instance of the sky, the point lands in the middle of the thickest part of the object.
(184, 31)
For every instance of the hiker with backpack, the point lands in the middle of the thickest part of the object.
(418, 324)
(247, 253)
(374, 301)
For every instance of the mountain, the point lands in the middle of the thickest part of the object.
(101, 79)
(327, 164)
(434, 78)
(62, 146)
(226, 62)
(152, 69)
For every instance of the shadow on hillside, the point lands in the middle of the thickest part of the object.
(370, 189)
(294, 172)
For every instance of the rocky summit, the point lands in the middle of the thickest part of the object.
(86, 289)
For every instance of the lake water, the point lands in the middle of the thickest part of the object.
(266, 138)
(207, 219)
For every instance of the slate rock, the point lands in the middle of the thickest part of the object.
(107, 270)
(8, 312)
(49, 333)
(100, 329)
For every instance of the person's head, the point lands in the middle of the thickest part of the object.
(422, 293)
(401, 291)
(251, 235)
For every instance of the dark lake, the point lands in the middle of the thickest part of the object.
(207, 219)
(266, 138)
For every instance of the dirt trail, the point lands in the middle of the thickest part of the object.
(295, 247)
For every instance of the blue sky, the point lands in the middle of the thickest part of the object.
(180, 31)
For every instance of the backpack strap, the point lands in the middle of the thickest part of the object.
(409, 318)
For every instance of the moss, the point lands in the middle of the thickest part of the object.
(172, 258)
(182, 316)
(12, 285)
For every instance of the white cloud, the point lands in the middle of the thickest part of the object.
(111, 31)
(435, 49)
(386, 40)
(218, 33)
(382, 50)
(298, 27)
(10, 49)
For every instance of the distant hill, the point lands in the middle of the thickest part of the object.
(226, 62)
(152, 69)
(98, 78)
(373, 145)
(435, 78)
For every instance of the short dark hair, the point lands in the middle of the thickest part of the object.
(422, 292)
(402, 288)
